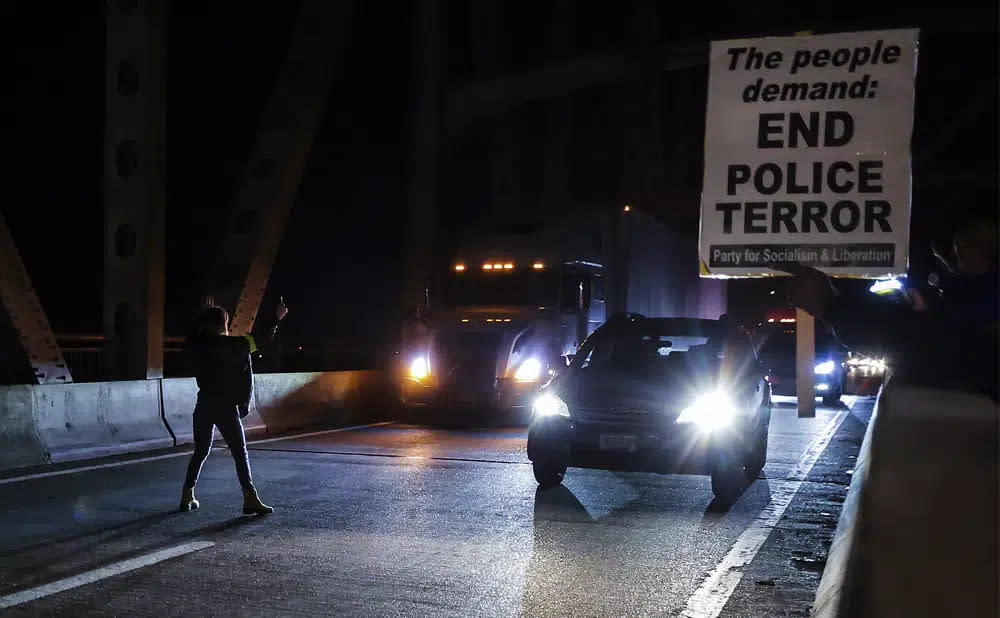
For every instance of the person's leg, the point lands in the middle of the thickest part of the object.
(232, 430)
(203, 429)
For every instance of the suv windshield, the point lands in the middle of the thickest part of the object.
(782, 343)
(644, 344)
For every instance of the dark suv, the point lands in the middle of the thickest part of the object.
(657, 394)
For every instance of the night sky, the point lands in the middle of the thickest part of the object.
(339, 264)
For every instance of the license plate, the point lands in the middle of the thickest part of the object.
(617, 442)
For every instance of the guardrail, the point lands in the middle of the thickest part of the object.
(918, 533)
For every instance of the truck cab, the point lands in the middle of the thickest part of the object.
(513, 308)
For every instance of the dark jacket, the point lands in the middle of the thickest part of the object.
(222, 366)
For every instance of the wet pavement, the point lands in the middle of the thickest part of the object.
(406, 519)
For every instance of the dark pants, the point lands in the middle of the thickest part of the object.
(207, 416)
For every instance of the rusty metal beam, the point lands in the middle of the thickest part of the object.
(134, 188)
(34, 333)
(290, 120)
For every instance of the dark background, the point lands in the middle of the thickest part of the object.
(339, 264)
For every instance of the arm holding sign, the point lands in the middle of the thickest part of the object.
(947, 348)
(873, 326)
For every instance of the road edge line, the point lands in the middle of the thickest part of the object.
(711, 596)
(104, 572)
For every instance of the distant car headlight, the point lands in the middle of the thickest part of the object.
(528, 371)
(710, 412)
(825, 368)
(419, 368)
(548, 404)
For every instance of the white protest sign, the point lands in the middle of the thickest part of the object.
(807, 154)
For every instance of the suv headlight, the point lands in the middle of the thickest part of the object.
(825, 368)
(710, 411)
(548, 404)
(528, 371)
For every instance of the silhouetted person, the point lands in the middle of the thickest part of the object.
(221, 364)
(953, 342)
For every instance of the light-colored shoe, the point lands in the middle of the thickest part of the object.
(188, 501)
(253, 506)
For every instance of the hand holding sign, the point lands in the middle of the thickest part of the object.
(809, 288)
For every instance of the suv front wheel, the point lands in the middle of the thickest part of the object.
(548, 473)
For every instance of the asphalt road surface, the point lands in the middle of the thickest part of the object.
(411, 520)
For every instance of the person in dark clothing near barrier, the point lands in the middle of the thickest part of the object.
(951, 341)
(221, 364)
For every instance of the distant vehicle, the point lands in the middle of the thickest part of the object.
(662, 395)
(777, 352)
(518, 300)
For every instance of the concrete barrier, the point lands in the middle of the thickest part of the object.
(80, 421)
(19, 442)
(179, 398)
(67, 422)
(294, 400)
(920, 524)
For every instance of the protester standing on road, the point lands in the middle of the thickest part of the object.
(221, 364)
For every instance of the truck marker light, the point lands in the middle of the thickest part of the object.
(508, 266)
(459, 267)
(498, 266)
(487, 266)
(538, 265)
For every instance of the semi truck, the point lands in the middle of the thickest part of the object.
(517, 301)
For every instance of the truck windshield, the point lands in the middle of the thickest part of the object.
(516, 288)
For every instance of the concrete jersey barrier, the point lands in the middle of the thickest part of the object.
(294, 400)
(179, 398)
(80, 421)
(918, 534)
(41, 424)
(19, 442)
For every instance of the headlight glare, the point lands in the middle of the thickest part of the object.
(825, 367)
(528, 371)
(548, 404)
(419, 368)
(710, 412)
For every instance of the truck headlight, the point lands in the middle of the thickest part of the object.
(528, 371)
(419, 368)
(825, 368)
(710, 412)
(548, 404)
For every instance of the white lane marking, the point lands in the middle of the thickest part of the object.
(714, 592)
(42, 475)
(89, 577)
